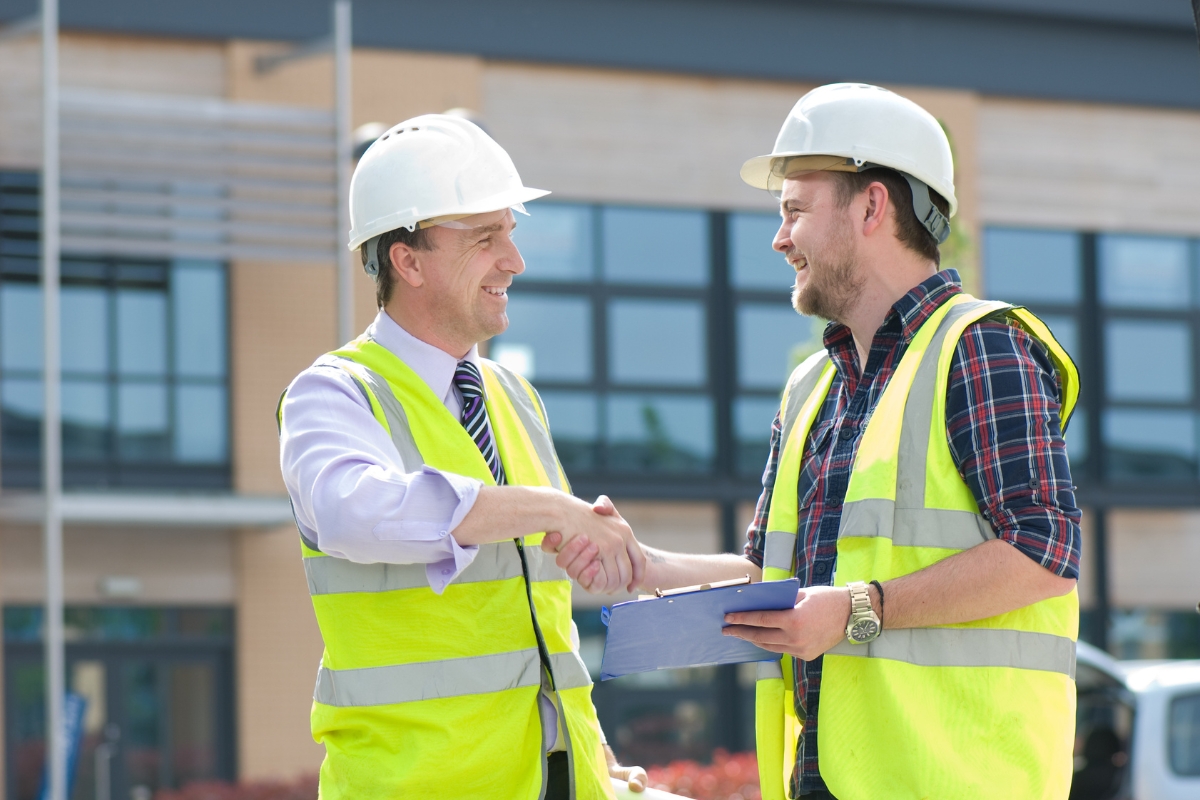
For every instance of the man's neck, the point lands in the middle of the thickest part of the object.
(427, 334)
(883, 289)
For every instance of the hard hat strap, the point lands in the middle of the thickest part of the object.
(371, 267)
(927, 213)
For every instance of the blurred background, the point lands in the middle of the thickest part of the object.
(199, 242)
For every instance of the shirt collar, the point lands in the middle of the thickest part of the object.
(432, 364)
(909, 312)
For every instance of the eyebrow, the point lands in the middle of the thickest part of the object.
(485, 229)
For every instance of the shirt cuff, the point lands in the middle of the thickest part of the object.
(435, 502)
(442, 573)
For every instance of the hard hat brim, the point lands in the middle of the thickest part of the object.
(757, 172)
(411, 216)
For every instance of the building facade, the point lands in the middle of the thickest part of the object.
(198, 279)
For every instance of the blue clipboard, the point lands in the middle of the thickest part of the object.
(684, 630)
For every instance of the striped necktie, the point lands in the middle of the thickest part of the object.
(475, 416)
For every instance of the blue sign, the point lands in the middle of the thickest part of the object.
(74, 710)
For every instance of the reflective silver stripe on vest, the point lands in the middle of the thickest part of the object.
(569, 671)
(493, 562)
(906, 521)
(768, 670)
(779, 551)
(428, 680)
(532, 421)
(914, 527)
(393, 412)
(799, 388)
(969, 647)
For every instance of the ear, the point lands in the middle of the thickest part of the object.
(876, 208)
(406, 264)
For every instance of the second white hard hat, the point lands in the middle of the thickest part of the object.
(851, 127)
(428, 167)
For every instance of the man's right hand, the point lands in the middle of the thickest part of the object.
(598, 549)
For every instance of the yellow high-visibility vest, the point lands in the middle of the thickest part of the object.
(983, 709)
(421, 695)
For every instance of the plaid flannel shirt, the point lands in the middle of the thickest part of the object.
(1002, 417)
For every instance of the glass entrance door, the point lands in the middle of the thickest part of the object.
(158, 716)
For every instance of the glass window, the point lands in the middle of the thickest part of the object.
(772, 340)
(21, 427)
(653, 245)
(20, 327)
(1032, 266)
(1076, 437)
(142, 332)
(752, 417)
(142, 422)
(1148, 360)
(753, 262)
(548, 338)
(556, 242)
(1184, 730)
(575, 423)
(85, 419)
(201, 425)
(198, 305)
(1149, 444)
(84, 329)
(657, 342)
(1144, 272)
(659, 433)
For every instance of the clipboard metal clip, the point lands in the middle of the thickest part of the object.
(702, 587)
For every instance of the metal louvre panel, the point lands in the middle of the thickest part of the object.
(428, 680)
(779, 551)
(569, 671)
(969, 647)
(188, 177)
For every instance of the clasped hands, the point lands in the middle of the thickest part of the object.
(597, 548)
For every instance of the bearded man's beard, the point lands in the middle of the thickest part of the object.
(834, 279)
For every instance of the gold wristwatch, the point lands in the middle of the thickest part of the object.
(864, 625)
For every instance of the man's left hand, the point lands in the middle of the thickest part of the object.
(815, 625)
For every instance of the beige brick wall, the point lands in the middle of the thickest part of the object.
(1090, 167)
(175, 566)
(1152, 559)
(278, 651)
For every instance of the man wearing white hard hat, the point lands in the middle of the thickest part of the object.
(918, 487)
(422, 477)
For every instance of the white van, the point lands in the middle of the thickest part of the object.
(1138, 730)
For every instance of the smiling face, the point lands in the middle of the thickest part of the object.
(465, 275)
(817, 238)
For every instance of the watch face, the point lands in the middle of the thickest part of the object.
(864, 630)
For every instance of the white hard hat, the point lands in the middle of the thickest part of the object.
(852, 127)
(427, 167)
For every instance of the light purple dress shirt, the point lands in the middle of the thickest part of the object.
(351, 493)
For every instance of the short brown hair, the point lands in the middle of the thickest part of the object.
(385, 281)
(909, 230)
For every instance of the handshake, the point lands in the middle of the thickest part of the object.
(596, 547)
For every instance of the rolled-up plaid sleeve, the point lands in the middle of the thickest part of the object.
(1002, 418)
